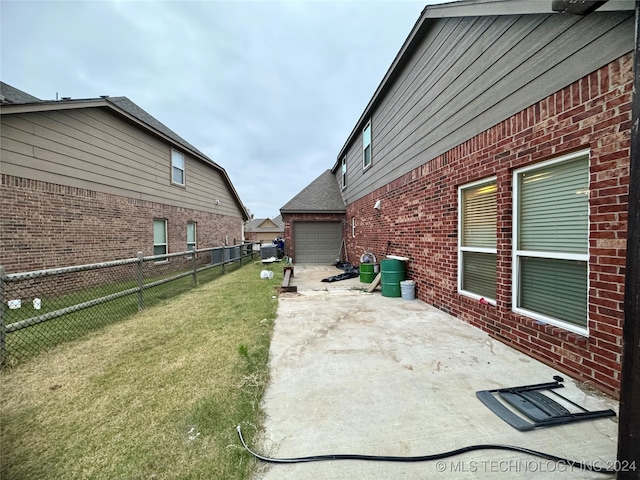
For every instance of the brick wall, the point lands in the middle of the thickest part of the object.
(419, 214)
(44, 225)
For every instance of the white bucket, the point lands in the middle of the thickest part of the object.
(37, 303)
(408, 290)
(266, 274)
(13, 304)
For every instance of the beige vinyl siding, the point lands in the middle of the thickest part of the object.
(94, 149)
(266, 237)
(63, 155)
(470, 73)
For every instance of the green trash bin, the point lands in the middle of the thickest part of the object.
(393, 272)
(367, 272)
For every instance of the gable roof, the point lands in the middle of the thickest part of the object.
(275, 222)
(462, 8)
(265, 225)
(321, 195)
(17, 101)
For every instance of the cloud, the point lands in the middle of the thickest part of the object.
(269, 90)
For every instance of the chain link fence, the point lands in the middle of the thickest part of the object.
(44, 308)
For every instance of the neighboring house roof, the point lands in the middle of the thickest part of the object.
(463, 8)
(9, 94)
(128, 106)
(321, 195)
(17, 101)
(265, 225)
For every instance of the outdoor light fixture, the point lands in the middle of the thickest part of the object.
(377, 205)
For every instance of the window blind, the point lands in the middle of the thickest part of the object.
(191, 232)
(159, 231)
(159, 237)
(479, 216)
(191, 236)
(479, 273)
(555, 288)
(554, 211)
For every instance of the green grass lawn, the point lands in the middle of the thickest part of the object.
(155, 396)
(28, 342)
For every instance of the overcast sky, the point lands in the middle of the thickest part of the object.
(269, 90)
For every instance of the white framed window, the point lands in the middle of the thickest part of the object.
(191, 235)
(177, 167)
(344, 172)
(366, 146)
(353, 227)
(159, 237)
(477, 239)
(551, 242)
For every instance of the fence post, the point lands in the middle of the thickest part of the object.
(224, 254)
(195, 269)
(140, 276)
(3, 350)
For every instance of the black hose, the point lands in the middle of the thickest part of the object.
(427, 458)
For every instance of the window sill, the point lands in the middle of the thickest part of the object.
(478, 298)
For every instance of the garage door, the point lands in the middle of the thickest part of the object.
(317, 242)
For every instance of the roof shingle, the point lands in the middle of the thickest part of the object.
(321, 195)
(13, 95)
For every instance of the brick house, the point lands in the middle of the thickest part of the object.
(99, 179)
(496, 150)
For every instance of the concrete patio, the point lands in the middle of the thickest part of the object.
(360, 373)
